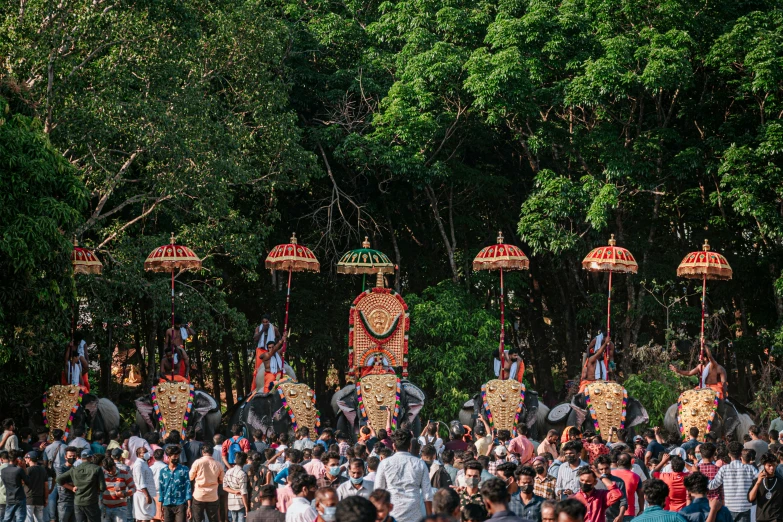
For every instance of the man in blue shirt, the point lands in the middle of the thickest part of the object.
(654, 448)
(699, 508)
(174, 488)
(694, 440)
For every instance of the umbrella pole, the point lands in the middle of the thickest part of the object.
(502, 329)
(172, 321)
(703, 305)
(285, 323)
(364, 286)
(608, 324)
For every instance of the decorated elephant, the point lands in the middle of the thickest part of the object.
(531, 412)
(289, 406)
(91, 413)
(603, 405)
(700, 408)
(355, 406)
(178, 405)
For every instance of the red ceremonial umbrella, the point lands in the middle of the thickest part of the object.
(294, 258)
(171, 257)
(498, 257)
(610, 259)
(704, 264)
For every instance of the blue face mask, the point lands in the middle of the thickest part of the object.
(357, 481)
(334, 471)
(329, 514)
(698, 456)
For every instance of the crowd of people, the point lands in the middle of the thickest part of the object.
(391, 477)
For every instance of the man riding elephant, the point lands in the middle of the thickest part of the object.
(711, 374)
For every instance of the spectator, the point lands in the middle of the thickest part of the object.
(654, 448)
(174, 493)
(234, 445)
(544, 483)
(570, 510)
(258, 476)
(356, 509)
(207, 475)
(548, 511)
(737, 479)
(303, 441)
(483, 437)
(709, 469)
(596, 500)
(9, 441)
(439, 477)
(549, 445)
(326, 504)
(447, 458)
(471, 494)
(470, 513)
(315, 467)
(693, 441)
(372, 468)
(521, 445)
(143, 504)
(266, 512)
(445, 501)
(633, 484)
(285, 495)
(677, 498)
(699, 508)
(37, 489)
(191, 449)
(567, 475)
(655, 494)
(333, 477)
(495, 495)
(407, 480)
(235, 484)
(603, 467)
(259, 445)
(757, 444)
(300, 510)
(381, 499)
(86, 482)
(524, 502)
(14, 478)
(767, 492)
(119, 487)
(774, 444)
(4, 461)
(135, 442)
(356, 485)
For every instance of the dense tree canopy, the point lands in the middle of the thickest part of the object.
(426, 125)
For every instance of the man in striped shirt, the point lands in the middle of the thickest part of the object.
(737, 478)
(119, 487)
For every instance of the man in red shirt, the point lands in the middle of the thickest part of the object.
(633, 490)
(237, 439)
(596, 500)
(678, 494)
(521, 445)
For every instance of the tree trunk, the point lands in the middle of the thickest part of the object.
(227, 377)
(539, 348)
(450, 245)
(214, 367)
(105, 361)
(240, 378)
(199, 364)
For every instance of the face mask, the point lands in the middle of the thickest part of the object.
(472, 482)
(329, 513)
(146, 456)
(334, 471)
(698, 456)
(573, 459)
(586, 488)
(174, 460)
(357, 481)
(70, 460)
(540, 471)
(527, 489)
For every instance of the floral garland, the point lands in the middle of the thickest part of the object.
(489, 412)
(709, 422)
(185, 420)
(595, 417)
(363, 411)
(290, 412)
(74, 409)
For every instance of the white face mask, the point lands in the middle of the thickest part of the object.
(329, 513)
(146, 456)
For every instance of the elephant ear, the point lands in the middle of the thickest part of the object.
(581, 414)
(204, 403)
(469, 405)
(90, 404)
(340, 395)
(144, 407)
(531, 405)
(414, 399)
(636, 413)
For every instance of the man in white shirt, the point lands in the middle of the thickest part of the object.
(135, 442)
(300, 510)
(407, 479)
(357, 485)
(567, 474)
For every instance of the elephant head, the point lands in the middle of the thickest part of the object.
(576, 414)
(730, 418)
(533, 413)
(92, 414)
(204, 415)
(345, 404)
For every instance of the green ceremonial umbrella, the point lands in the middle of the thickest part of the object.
(365, 261)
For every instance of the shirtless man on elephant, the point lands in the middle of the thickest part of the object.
(594, 368)
(711, 374)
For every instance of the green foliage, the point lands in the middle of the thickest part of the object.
(41, 200)
(657, 388)
(451, 344)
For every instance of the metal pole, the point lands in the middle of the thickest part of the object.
(502, 329)
(703, 305)
(608, 325)
(285, 324)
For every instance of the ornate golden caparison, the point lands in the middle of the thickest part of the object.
(60, 401)
(696, 409)
(503, 398)
(378, 390)
(173, 399)
(300, 399)
(606, 400)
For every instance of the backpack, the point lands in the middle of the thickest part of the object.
(441, 479)
(234, 448)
